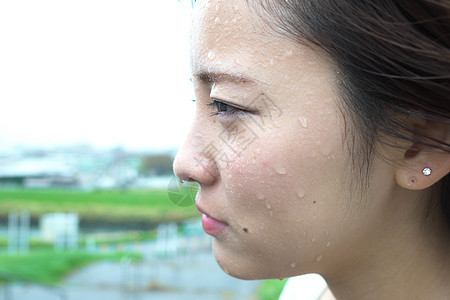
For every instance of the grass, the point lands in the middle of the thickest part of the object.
(48, 267)
(35, 244)
(111, 239)
(126, 237)
(136, 206)
(271, 289)
(44, 265)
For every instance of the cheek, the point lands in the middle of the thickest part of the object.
(264, 185)
(293, 180)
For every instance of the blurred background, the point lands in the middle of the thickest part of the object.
(95, 101)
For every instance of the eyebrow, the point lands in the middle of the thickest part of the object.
(215, 77)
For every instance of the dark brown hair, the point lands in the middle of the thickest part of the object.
(394, 62)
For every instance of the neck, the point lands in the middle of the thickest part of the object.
(410, 260)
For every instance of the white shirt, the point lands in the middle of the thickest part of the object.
(304, 287)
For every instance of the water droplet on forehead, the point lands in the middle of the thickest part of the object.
(281, 171)
(211, 55)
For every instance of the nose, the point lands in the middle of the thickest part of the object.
(195, 161)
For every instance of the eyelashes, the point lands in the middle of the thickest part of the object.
(222, 108)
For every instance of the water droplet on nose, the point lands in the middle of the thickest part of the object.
(281, 171)
(260, 196)
(303, 122)
(319, 258)
(300, 194)
(292, 265)
(211, 55)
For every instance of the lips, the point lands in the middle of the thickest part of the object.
(211, 225)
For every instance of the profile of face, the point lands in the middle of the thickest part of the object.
(268, 148)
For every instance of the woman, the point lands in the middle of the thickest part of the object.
(321, 142)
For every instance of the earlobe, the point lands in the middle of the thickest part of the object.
(421, 165)
(423, 169)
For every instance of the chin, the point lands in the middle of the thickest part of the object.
(246, 267)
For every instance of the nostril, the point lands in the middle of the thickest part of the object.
(191, 167)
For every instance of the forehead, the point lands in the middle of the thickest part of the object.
(231, 37)
(224, 30)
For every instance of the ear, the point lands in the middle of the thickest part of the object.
(410, 172)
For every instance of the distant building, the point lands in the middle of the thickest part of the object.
(37, 173)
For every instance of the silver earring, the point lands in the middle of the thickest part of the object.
(426, 171)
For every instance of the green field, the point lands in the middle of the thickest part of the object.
(271, 289)
(49, 267)
(134, 206)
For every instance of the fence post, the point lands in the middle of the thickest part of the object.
(24, 233)
(13, 232)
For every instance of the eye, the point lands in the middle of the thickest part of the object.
(223, 108)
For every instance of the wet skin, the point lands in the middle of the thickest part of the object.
(268, 148)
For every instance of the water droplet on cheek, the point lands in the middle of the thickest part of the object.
(326, 151)
(300, 194)
(260, 197)
(303, 122)
(281, 171)
(268, 205)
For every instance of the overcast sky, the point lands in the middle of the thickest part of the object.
(104, 72)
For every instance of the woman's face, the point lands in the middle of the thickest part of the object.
(268, 149)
